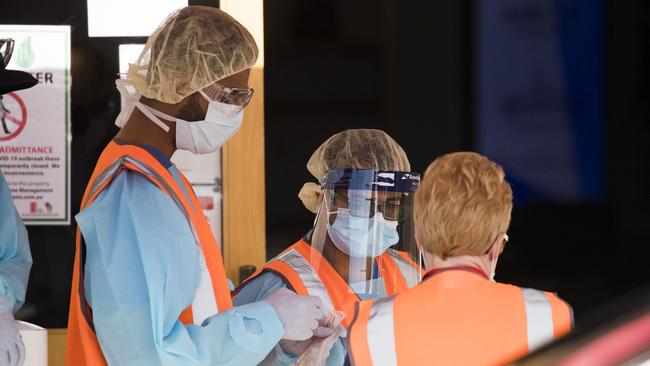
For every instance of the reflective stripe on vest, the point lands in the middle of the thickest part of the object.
(410, 273)
(109, 173)
(307, 275)
(314, 285)
(380, 327)
(381, 333)
(539, 318)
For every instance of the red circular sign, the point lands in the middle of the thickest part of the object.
(12, 123)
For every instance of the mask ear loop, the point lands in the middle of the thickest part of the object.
(422, 264)
(132, 100)
(422, 267)
(493, 263)
(153, 115)
(323, 199)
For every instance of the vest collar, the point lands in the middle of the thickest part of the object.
(151, 150)
(471, 269)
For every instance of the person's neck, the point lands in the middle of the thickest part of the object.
(140, 130)
(433, 262)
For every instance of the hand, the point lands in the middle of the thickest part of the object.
(300, 315)
(12, 349)
(319, 350)
(297, 348)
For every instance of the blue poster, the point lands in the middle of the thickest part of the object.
(539, 95)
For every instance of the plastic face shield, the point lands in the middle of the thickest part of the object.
(364, 230)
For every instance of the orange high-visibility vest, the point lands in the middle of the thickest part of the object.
(306, 272)
(82, 345)
(456, 317)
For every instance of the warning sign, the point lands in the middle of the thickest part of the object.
(35, 125)
(14, 116)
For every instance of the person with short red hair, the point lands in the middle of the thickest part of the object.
(459, 315)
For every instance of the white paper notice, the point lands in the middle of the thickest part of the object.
(35, 131)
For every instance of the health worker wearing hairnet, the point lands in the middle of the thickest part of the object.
(361, 245)
(459, 315)
(15, 255)
(149, 286)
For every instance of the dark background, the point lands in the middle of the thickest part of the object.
(406, 68)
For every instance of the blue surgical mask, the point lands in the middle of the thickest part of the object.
(362, 237)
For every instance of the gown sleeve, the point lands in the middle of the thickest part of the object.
(15, 255)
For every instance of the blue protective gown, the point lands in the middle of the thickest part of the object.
(267, 282)
(142, 270)
(15, 256)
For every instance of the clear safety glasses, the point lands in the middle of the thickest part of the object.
(6, 50)
(366, 203)
(237, 97)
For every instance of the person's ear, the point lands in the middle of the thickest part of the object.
(495, 249)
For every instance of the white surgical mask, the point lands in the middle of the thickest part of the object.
(202, 137)
(361, 237)
(198, 137)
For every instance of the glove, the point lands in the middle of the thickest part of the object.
(12, 349)
(300, 315)
(297, 348)
(317, 352)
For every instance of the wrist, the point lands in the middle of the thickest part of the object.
(283, 349)
(277, 315)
